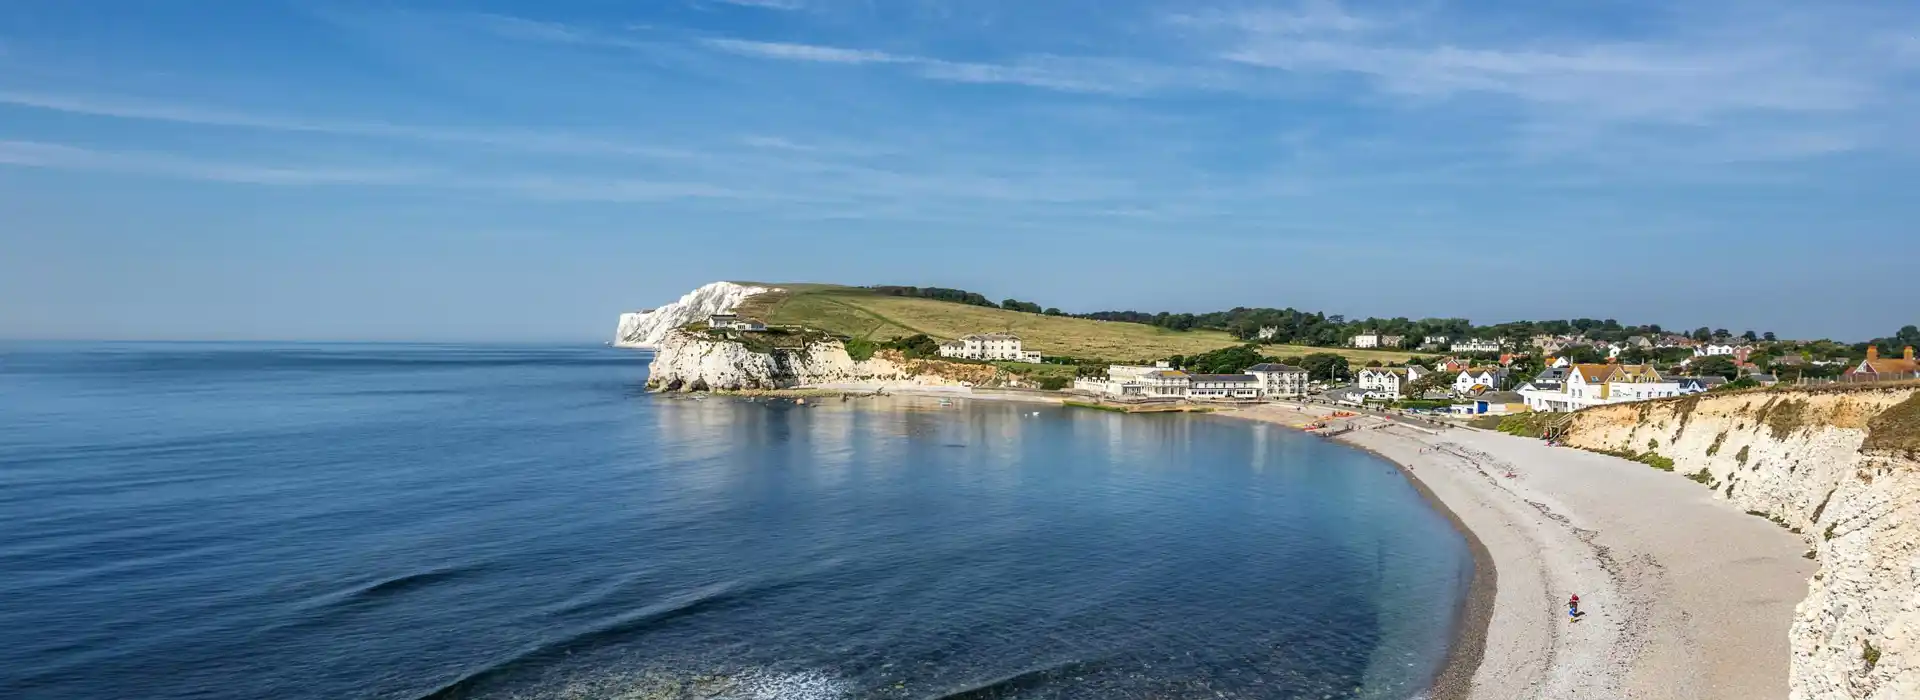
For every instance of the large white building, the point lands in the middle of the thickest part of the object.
(1476, 345)
(1223, 386)
(988, 346)
(1365, 340)
(1134, 381)
(1277, 380)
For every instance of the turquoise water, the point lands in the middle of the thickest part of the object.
(392, 521)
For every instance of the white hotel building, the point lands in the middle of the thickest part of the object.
(988, 346)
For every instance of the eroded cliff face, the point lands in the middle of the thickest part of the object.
(647, 329)
(1838, 467)
(698, 361)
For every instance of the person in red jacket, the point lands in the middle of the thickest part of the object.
(1573, 607)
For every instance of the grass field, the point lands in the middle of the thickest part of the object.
(860, 313)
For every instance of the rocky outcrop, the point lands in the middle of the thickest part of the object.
(646, 329)
(704, 361)
(1838, 467)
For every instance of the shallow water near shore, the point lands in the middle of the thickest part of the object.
(408, 521)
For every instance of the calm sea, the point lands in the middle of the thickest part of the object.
(215, 521)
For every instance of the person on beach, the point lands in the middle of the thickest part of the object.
(1573, 607)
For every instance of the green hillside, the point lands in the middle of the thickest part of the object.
(860, 313)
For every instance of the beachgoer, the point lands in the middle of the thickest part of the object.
(1573, 606)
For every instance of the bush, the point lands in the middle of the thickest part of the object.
(1656, 461)
(860, 349)
(1055, 383)
(1701, 477)
(1870, 654)
(1828, 535)
(1526, 424)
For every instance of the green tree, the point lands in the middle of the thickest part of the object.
(1768, 336)
(1716, 365)
(1326, 366)
(1585, 354)
(1749, 336)
(1431, 381)
(1703, 334)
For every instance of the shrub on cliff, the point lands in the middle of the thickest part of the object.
(1527, 424)
(1896, 429)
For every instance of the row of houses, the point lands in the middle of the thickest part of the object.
(1261, 381)
(1576, 386)
(988, 346)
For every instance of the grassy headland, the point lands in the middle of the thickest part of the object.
(864, 314)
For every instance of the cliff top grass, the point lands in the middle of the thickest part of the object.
(860, 313)
(1896, 429)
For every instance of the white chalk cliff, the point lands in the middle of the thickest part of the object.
(646, 329)
(699, 362)
(1840, 469)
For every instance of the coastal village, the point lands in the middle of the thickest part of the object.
(1484, 377)
(1453, 377)
(1790, 462)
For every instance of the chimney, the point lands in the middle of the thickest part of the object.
(1873, 352)
(1908, 354)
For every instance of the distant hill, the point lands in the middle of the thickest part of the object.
(864, 313)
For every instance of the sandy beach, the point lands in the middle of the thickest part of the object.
(1684, 596)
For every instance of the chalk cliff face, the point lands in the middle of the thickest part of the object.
(700, 362)
(646, 329)
(1842, 470)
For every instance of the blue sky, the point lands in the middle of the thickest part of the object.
(324, 169)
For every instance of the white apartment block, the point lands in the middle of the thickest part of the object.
(1365, 340)
(988, 346)
(1223, 386)
(1277, 380)
(1134, 381)
(1477, 345)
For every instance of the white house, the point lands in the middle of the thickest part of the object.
(734, 323)
(1436, 340)
(1277, 380)
(1476, 345)
(988, 346)
(1486, 378)
(1601, 384)
(1388, 382)
(1392, 341)
(1365, 340)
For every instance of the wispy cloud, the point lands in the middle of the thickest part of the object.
(37, 154)
(766, 4)
(1699, 69)
(1095, 75)
(535, 140)
(805, 52)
